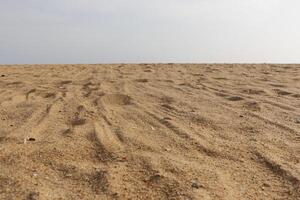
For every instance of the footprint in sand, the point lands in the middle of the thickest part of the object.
(77, 119)
(234, 98)
(252, 105)
(278, 85)
(220, 94)
(253, 91)
(282, 92)
(143, 80)
(65, 82)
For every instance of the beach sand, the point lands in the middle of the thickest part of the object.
(150, 131)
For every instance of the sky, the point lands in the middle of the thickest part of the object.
(134, 31)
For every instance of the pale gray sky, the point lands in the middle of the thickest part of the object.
(114, 31)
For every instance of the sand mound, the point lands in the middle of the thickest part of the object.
(116, 99)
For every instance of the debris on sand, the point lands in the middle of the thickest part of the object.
(29, 139)
(196, 184)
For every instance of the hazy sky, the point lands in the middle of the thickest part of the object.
(113, 31)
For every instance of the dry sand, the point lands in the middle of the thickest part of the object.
(150, 131)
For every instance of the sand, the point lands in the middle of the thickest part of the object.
(150, 131)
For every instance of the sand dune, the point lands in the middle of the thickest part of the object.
(150, 131)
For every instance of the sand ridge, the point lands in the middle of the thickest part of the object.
(150, 131)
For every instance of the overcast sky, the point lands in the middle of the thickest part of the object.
(114, 31)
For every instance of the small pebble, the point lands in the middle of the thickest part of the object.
(298, 120)
(196, 185)
(31, 139)
(154, 178)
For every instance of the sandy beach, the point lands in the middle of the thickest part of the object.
(150, 131)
